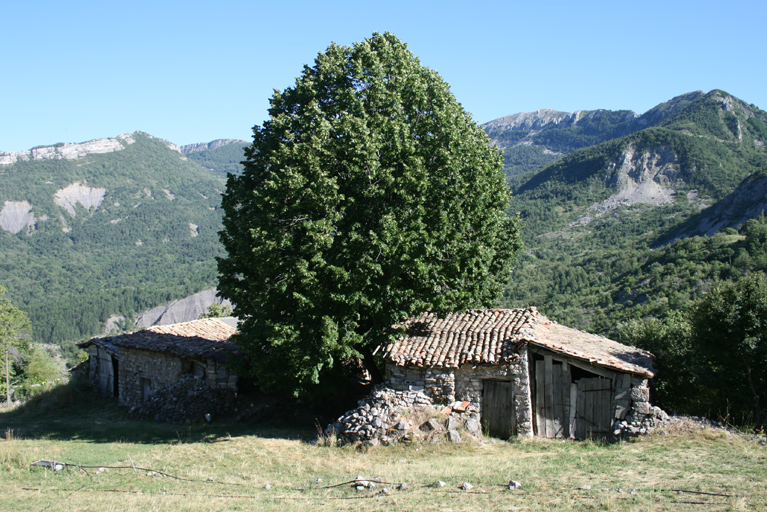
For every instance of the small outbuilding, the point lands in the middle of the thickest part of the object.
(132, 367)
(525, 374)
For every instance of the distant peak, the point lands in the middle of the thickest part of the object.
(68, 151)
(546, 118)
(207, 146)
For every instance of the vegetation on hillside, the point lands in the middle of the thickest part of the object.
(26, 367)
(221, 160)
(153, 239)
(593, 269)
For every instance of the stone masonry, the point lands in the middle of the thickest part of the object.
(448, 385)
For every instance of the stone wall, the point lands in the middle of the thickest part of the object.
(638, 415)
(437, 383)
(388, 416)
(142, 373)
(448, 385)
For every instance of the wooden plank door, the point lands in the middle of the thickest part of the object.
(593, 417)
(498, 415)
(552, 398)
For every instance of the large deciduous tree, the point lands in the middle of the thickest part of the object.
(369, 195)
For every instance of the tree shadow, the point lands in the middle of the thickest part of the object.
(73, 411)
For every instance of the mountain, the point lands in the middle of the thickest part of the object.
(220, 156)
(532, 139)
(595, 219)
(748, 201)
(625, 216)
(106, 227)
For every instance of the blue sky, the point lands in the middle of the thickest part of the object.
(196, 71)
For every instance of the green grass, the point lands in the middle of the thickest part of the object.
(230, 466)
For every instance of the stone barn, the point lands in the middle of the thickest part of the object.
(525, 374)
(132, 367)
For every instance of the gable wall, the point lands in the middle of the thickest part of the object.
(160, 369)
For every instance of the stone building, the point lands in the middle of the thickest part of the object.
(525, 374)
(131, 367)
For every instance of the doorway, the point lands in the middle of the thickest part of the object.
(498, 416)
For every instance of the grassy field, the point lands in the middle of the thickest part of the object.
(232, 466)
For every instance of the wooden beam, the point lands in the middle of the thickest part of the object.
(573, 408)
(548, 364)
(540, 422)
(565, 394)
(596, 370)
(584, 365)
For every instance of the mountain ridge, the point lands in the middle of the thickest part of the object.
(533, 139)
(123, 231)
(594, 216)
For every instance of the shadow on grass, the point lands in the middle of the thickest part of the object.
(74, 412)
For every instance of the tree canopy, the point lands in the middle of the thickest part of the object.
(710, 359)
(729, 329)
(369, 195)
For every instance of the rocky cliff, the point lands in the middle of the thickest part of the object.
(73, 151)
(184, 310)
(207, 146)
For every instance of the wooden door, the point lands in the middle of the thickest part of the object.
(593, 417)
(498, 416)
(552, 398)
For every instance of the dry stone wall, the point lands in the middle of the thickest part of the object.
(389, 416)
(144, 373)
(638, 415)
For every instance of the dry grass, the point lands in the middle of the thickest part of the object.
(686, 468)
(671, 472)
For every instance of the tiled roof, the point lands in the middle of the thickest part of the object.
(492, 336)
(205, 338)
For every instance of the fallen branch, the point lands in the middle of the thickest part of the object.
(701, 492)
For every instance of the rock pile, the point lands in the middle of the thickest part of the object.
(188, 399)
(388, 416)
(637, 424)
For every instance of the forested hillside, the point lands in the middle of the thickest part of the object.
(596, 220)
(221, 157)
(625, 216)
(86, 235)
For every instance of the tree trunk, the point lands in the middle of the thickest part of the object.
(371, 364)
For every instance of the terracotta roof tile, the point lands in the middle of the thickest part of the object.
(199, 338)
(492, 336)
